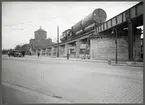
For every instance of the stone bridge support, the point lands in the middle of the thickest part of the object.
(77, 49)
(52, 51)
(41, 51)
(46, 52)
(71, 49)
(137, 45)
(66, 49)
(62, 50)
(104, 48)
(134, 42)
(130, 40)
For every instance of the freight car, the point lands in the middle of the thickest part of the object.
(97, 17)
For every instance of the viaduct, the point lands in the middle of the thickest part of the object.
(119, 35)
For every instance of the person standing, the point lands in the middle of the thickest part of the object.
(23, 53)
(38, 54)
(68, 56)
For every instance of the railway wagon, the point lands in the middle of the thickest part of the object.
(97, 17)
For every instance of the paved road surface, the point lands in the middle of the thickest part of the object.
(45, 80)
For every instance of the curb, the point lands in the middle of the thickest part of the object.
(95, 61)
(127, 65)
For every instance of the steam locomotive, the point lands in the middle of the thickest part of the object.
(97, 17)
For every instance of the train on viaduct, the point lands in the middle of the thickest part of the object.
(96, 38)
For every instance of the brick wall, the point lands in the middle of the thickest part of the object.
(137, 48)
(105, 48)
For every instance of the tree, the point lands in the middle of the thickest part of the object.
(25, 47)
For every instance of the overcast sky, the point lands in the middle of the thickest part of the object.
(21, 19)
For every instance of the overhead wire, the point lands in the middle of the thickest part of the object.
(52, 18)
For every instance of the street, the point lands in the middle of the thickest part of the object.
(50, 80)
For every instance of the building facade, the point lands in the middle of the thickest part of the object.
(40, 40)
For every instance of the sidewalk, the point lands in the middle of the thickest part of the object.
(113, 63)
(119, 63)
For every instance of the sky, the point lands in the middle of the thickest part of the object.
(21, 19)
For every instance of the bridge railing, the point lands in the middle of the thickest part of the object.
(130, 13)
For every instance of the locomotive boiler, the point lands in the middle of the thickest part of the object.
(66, 34)
(97, 17)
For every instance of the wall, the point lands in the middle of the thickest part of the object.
(40, 35)
(41, 43)
(104, 48)
(137, 48)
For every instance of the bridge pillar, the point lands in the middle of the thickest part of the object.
(49, 51)
(36, 51)
(61, 50)
(72, 49)
(130, 39)
(103, 47)
(137, 45)
(41, 51)
(52, 51)
(66, 49)
(46, 52)
(78, 44)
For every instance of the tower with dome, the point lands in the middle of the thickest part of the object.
(40, 40)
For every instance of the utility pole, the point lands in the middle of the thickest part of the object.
(114, 29)
(67, 49)
(58, 41)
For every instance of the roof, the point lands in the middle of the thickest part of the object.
(40, 30)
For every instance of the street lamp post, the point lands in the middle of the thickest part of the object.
(114, 29)
(58, 41)
(67, 49)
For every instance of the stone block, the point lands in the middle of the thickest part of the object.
(105, 48)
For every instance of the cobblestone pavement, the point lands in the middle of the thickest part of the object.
(75, 81)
